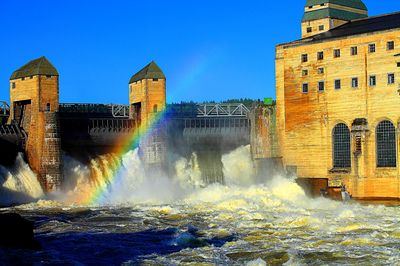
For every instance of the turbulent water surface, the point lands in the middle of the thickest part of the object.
(183, 222)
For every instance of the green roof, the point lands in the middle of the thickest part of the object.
(40, 66)
(358, 4)
(151, 71)
(331, 13)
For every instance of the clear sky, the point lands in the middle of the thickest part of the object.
(208, 49)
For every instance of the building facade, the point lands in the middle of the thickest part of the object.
(338, 96)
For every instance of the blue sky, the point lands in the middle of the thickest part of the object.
(208, 49)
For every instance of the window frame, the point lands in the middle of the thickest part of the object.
(321, 71)
(336, 53)
(304, 72)
(390, 45)
(341, 151)
(304, 58)
(372, 48)
(336, 83)
(303, 86)
(320, 55)
(356, 80)
(321, 27)
(319, 86)
(370, 79)
(389, 80)
(387, 150)
(309, 29)
(353, 50)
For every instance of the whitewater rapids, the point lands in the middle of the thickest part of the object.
(180, 221)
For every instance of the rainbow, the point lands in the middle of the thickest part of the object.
(94, 195)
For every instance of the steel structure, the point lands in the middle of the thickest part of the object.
(4, 109)
(222, 110)
(114, 110)
(120, 110)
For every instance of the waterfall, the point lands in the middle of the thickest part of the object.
(19, 184)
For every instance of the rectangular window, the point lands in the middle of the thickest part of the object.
(398, 64)
(354, 50)
(48, 77)
(155, 79)
(320, 55)
(390, 45)
(304, 58)
(321, 86)
(304, 72)
(336, 53)
(13, 85)
(309, 29)
(305, 88)
(354, 82)
(391, 78)
(22, 79)
(321, 70)
(321, 27)
(372, 81)
(338, 84)
(372, 48)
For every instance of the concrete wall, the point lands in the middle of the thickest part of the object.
(306, 120)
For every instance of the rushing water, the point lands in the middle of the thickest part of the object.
(153, 220)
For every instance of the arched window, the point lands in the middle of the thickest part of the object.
(155, 108)
(341, 146)
(386, 144)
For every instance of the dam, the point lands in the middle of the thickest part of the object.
(43, 129)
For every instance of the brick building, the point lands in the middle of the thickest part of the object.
(338, 98)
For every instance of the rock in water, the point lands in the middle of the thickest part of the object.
(17, 232)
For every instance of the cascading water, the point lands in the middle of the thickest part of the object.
(19, 184)
(150, 219)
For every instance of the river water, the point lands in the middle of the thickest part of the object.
(143, 220)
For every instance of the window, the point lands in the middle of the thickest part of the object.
(304, 72)
(336, 53)
(155, 108)
(155, 79)
(321, 27)
(398, 64)
(309, 29)
(321, 86)
(13, 85)
(341, 146)
(22, 79)
(304, 58)
(372, 81)
(320, 55)
(354, 50)
(48, 107)
(354, 82)
(338, 84)
(391, 78)
(48, 76)
(371, 48)
(390, 45)
(321, 70)
(386, 144)
(305, 88)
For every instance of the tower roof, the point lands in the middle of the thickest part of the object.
(338, 9)
(40, 66)
(151, 71)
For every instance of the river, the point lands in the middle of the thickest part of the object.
(141, 220)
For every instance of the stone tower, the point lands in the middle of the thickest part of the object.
(147, 93)
(147, 100)
(322, 15)
(34, 104)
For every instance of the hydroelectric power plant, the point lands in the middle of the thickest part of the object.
(309, 179)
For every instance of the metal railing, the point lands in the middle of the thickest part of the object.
(222, 110)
